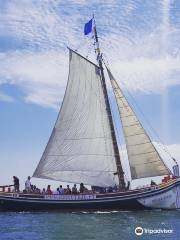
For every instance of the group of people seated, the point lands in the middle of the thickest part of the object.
(61, 191)
(30, 188)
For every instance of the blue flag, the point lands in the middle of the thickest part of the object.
(88, 27)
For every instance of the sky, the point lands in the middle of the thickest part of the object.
(140, 41)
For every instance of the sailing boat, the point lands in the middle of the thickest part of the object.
(83, 148)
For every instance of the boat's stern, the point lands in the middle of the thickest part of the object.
(167, 196)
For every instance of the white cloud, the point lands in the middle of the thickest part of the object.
(41, 76)
(40, 23)
(148, 74)
(143, 50)
(45, 97)
(6, 98)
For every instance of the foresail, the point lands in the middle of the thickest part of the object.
(143, 158)
(80, 148)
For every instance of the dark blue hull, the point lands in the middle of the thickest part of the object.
(29, 204)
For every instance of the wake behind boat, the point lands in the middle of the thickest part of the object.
(83, 148)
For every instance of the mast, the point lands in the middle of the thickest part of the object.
(120, 171)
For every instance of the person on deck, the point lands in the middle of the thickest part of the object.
(43, 191)
(48, 191)
(128, 185)
(16, 183)
(74, 189)
(56, 192)
(28, 185)
(82, 188)
(153, 183)
(68, 190)
(36, 190)
(61, 190)
(115, 188)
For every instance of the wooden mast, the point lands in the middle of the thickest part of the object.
(120, 172)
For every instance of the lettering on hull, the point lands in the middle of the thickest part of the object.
(70, 197)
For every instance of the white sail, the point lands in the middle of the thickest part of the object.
(80, 148)
(143, 158)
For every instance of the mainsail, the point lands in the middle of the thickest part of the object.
(143, 158)
(80, 148)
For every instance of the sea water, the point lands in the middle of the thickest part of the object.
(97, 225)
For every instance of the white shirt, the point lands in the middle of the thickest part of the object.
(27, 184)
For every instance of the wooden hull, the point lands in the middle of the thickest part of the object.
(166, 197)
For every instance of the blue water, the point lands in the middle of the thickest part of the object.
(98, 225)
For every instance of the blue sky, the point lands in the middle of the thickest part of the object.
(140, 40)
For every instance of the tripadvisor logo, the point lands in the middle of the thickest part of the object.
(138, 231)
